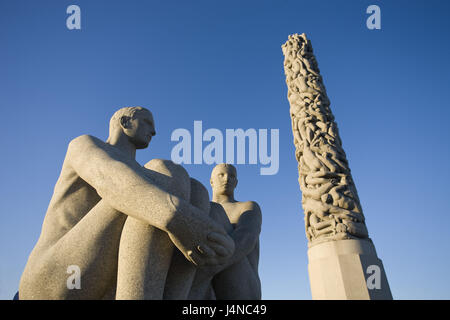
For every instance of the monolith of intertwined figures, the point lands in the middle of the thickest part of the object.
(343, 263)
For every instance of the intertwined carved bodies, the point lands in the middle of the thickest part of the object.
(329, 197)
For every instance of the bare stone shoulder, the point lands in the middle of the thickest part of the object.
(86, 150)
(251, 205)
(251, 214)
(84, 141)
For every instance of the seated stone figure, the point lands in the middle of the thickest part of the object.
(237, 278)
(150, 266)
(102, 201)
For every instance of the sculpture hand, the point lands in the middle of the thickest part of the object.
(200, 239)
(221, 256)
(208, 252)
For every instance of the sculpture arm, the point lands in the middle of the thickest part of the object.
(246, 232)
(121, 182)
(245, 236)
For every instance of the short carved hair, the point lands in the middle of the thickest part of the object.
(127, 112)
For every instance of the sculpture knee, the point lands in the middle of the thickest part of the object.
(199, 195)
(171, 177)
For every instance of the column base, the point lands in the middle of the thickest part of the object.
(347, 270)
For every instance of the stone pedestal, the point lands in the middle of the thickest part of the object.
(347, 270)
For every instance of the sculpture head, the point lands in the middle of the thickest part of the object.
(135, 123)
(224, 179)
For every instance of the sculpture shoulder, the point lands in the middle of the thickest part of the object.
(246, 212)
(84, 149)
(250, 205)
(85, 141)
(249, 217)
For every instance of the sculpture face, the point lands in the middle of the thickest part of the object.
(224, 179)
(139, 129)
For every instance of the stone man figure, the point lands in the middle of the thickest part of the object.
(238, 277)
(118, 222)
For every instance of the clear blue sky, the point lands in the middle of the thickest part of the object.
(221, 62)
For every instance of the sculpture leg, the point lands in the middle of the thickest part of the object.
(145, 254)
(180, 277)
(181, 274)
(91, 245)
(144, 259)
(237, 282)
(202, 287)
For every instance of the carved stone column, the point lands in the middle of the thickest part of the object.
(343, 263)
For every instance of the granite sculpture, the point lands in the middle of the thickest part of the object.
(341, 254)
(119, 222)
